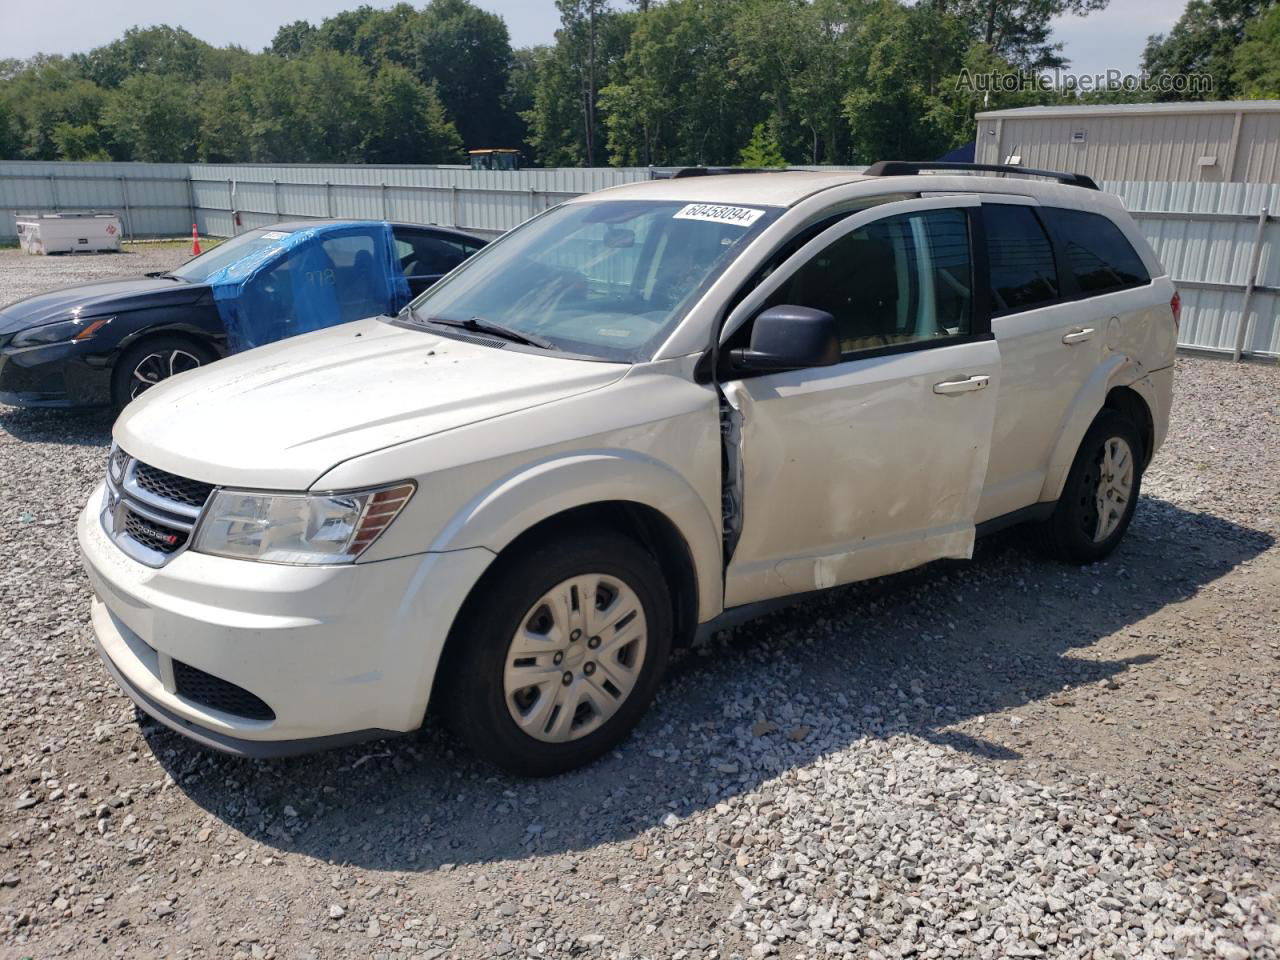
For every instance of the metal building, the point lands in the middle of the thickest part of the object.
(1225, 141)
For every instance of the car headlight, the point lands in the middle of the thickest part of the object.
(298, 528)
(64, 331)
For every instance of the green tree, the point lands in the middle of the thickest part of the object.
(330, 100)
(553, 119)
(375, 36)
(894, 80)
(1204, 41)
(465, 52)
(581, 24)
(293, 40)
(820, 80)
(153, 117)
(46, 92)
(82, 142)
(1256, 73)
(163, 50)
(9, 141)
(1020, 31)
(407, 121)
(762, 150)
(676, 99)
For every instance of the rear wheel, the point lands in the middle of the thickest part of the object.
(1100, 493)
(558, 654)
(149, 362)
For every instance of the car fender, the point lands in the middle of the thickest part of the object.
(1116, 370)
(518, 501)
(197, 322)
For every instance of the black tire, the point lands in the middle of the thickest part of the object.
(471, 682)
(1071, 532)
(189, 354)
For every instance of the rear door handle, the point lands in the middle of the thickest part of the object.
(1078, 336)
(962, 386)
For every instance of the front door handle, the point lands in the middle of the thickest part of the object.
(1079, 335)
(962, 386)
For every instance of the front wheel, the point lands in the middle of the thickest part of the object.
(558, 654)
(152, 360)
(1100, 493)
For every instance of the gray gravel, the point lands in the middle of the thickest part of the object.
(996, 759)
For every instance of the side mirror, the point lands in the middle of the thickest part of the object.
(789, 338)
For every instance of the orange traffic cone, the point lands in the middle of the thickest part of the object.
(195, 242)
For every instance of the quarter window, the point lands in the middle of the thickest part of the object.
(1023, 273)
(899, 280)
(1100, 256)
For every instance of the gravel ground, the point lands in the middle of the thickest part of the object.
(995, 759)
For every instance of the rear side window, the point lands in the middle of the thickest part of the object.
(1100, 255)
(1023, 272)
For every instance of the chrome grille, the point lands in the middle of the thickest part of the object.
(150, 513)
(170, 486)
(155, 536)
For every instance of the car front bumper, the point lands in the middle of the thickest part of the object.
(338, 653)
(59, 375)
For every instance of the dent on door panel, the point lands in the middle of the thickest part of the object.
(903, 469)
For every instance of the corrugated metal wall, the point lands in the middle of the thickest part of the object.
(1203, 232)
(1169, 146)
(485, 202)
(152, 199)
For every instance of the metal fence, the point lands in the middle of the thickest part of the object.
(1220, 241)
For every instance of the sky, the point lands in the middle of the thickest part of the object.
(1112, 39)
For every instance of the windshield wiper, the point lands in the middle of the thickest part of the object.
(167, 276)
(481, 325)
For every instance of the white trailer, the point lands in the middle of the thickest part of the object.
(69, 233)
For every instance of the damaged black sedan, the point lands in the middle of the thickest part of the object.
(105, 342)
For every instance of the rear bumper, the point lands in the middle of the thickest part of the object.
(1162, 390)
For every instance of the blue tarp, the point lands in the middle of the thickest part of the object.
(960, 154)
(311, 279)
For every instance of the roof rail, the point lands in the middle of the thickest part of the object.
(681, 172)
(903, 168)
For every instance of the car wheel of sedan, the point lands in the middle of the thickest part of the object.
(559, 653)
(1100, 493)
(145, 364)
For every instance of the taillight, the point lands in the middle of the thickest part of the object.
(1176, 306)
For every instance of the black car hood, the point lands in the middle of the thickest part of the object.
(98, 298)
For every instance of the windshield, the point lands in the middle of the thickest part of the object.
(607, 279)
(204, 266)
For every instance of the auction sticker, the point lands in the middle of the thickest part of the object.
(718, 213)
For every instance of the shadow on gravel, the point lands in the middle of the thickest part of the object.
(913, 654)
(83, 428)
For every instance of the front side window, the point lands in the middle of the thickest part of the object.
(1023, 272)
(607, 279)
(1100, 255)
(900, 280)
(350, 266)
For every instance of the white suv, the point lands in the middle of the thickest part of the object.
(636, 418)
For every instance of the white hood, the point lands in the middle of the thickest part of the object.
(281, 416)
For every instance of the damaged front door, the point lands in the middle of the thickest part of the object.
(875, 464)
